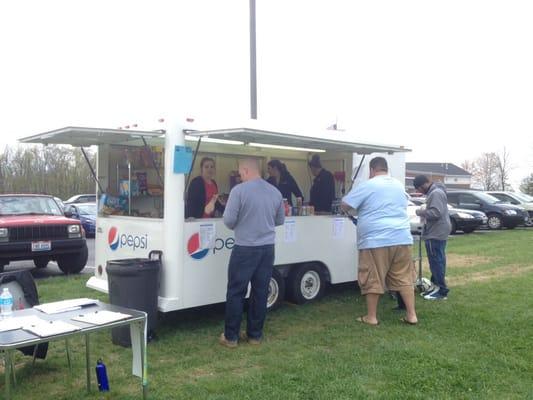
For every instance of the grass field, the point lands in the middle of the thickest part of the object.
(476, 345)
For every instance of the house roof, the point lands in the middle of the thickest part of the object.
(435, 168)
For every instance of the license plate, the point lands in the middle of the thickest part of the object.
(41, 246)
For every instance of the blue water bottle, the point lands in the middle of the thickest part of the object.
(101, 376)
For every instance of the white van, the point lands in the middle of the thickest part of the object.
(150, 170)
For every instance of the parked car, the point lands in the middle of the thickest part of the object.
(33, 227)
(414, 220)
(81, 198)
(86, 214)
(499, 214)
(466, 220)
(518, 199)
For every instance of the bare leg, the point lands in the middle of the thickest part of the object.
(408, 296)
(372, 300)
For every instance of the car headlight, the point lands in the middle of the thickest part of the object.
(73, 229)
(465, 215)
(509, 212)
(4, 235)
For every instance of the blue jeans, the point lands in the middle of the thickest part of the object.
(248, 264)
(436, 251)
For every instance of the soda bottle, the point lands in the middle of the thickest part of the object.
(6, 303)
(101, 376)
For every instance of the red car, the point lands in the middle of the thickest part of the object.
(33, 227)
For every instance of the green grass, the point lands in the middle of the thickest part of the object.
(476, 345)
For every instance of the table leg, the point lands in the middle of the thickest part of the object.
(67, 348)
(7, 373)
(88, 362)
(144, 361)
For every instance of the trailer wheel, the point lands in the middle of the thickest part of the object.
(73, 263)
(307, 283)
(276, 291)
(41, 262)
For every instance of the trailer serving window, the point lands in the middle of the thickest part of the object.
(129, 172)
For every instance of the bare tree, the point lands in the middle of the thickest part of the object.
(503, 169)
(527, 185)
(55, 170)
(485, 171)
(469, 166)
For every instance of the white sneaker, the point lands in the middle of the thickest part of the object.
(432, 290)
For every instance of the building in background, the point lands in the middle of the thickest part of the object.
(450, 174)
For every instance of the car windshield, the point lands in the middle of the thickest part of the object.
(87, 209)
(488, 198)
(523, 197)
(28, 205)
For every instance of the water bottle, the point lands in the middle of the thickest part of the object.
(6, 303)
(101, 376)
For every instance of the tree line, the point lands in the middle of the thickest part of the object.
(55, 170)
(491, 171)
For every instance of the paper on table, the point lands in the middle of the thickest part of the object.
(14, 323)
(101, 317)
(51, 328)
(64, 305)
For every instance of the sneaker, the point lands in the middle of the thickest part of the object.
(225, 342)
(244, 337)
(432, 290)
(435, 296)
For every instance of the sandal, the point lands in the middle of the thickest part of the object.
(363, 320)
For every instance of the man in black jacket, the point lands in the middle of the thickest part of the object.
(322, 192)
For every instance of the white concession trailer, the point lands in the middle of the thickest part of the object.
(141, 184)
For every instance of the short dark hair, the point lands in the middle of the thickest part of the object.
(379, 164)
(204, 160)
(315, 161)
(420, 180)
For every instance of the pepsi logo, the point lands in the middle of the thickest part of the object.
(113, 238)
(193, 247)
(126, 240)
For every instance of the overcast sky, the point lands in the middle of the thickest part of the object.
(448, 79)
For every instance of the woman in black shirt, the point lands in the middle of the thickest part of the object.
(283, 180)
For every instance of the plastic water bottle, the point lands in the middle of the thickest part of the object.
(6, 303)
(101, 376)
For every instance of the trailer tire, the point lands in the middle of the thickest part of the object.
(276, 290)
(73, 263)
(307, 283)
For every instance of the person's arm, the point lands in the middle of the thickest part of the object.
(436, 205)
(331, 189)
(280, 214)
(354, 198)
(195, 199)
(231, 213)
(294, 187)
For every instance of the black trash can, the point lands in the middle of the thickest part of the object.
(134, 283)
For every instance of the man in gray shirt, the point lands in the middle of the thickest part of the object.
(253, 210)
(435, 234)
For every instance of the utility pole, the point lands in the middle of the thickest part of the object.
(253, 64)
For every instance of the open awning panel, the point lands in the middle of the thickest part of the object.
(330, 143)
(83, 137)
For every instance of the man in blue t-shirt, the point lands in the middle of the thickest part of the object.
(384, 240)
